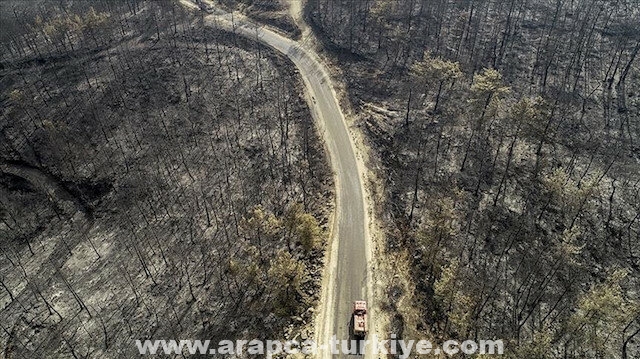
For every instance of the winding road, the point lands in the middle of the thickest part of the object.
(345, 277)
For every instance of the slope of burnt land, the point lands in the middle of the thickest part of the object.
(507, 137)
(159, 179)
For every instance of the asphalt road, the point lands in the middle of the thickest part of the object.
(347, 276)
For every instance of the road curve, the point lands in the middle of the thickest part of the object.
(348, 254)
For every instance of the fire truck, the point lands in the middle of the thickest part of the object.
(359, 319)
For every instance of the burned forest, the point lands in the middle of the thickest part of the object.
(455, 178)
(507, 140)
(158, 178)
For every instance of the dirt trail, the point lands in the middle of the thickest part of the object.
(48, 184)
